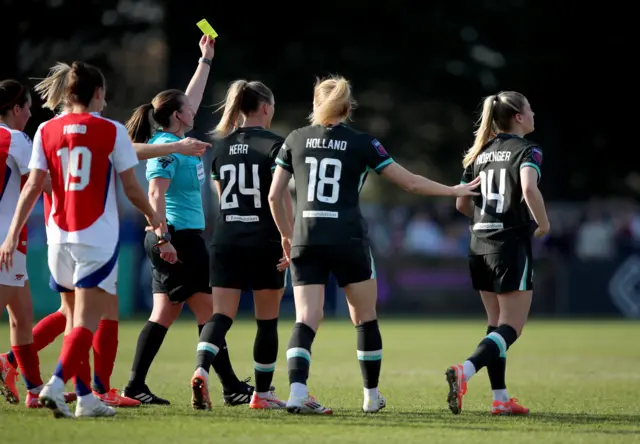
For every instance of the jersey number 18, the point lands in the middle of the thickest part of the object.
(319, 180)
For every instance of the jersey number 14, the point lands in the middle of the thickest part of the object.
(486, 189)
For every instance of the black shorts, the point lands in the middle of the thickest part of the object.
(312, 264)
(184, 278)
(246, 268)
(504, 272)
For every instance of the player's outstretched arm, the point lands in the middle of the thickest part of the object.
(187, 146)
(198, 82)
(136, 195)
(534, 200)
(416, 184)
(28, 198)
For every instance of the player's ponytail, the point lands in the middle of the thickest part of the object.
(52, 88)
(498, 112)
(231, 107)
(484, 132)
(332, 99)
(140, 124)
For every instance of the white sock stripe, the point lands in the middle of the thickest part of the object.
(264, 367)
(298, 352)
(208, 347)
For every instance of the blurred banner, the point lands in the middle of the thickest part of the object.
(415, 277)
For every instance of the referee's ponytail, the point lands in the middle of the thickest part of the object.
(147, 118)
(497, 114)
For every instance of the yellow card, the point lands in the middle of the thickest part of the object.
(206, 28)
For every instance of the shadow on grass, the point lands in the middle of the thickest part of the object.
(609, 424)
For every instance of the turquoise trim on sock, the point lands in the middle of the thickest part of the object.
(265, 368)
(298, 352)
(375, 355)
(205, 346)
(500, 342)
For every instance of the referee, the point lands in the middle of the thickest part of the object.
(179, 257)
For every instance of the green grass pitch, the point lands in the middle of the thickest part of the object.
(581, 380)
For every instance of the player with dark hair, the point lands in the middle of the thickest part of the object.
(500, 259)
(82, 151)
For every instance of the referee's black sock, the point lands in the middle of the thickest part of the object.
(265, 353)
(491, 348)
(497, 369)
(149, 342)
(212, 340)
(222, 365)
(369, 353)
(299, 353)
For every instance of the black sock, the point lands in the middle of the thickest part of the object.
(497, 369)
(149, 342)
(299, 353)
(212, 340)
(222, 366)
(493, 346)
(369, 352)
(200, 327)
(265, 353)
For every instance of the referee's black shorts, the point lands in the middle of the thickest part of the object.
(509, 270)
(184, 278)
(312, 264)
(244, 268)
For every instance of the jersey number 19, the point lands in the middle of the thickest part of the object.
(486, 189)
(76, 167)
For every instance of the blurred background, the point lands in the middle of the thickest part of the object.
(419, 71)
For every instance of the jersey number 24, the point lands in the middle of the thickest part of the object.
(229, 200)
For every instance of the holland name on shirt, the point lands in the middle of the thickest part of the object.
(327, 144)
(493, 156)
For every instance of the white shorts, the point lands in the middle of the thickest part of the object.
(82, 266)
(17, 276)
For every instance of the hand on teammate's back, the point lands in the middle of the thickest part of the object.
(206, 46)
(466, 189)
(192, 147)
